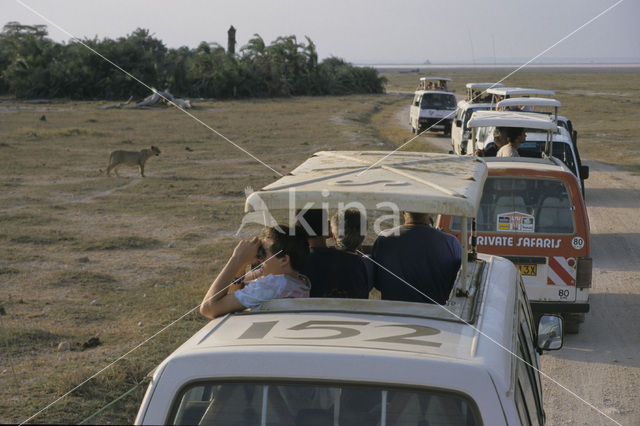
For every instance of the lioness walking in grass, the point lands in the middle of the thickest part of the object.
(131, 158)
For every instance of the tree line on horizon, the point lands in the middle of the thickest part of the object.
(34, 66)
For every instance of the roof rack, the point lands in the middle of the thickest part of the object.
(376, 180)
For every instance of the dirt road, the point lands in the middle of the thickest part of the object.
(601, 364)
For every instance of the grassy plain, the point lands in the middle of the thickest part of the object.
(83, 255)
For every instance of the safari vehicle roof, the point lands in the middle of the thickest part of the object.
(512, 119)
(434, 78)
(413, 181)
(422, 91)
(545, 165)
(474, 86)
(298, 338)
(518, 91)
(531, 102)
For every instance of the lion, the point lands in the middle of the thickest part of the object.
(131, 158)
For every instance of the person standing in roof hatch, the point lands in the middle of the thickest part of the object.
(416, 255)
(515, 136)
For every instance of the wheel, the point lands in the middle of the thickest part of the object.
(572, 323)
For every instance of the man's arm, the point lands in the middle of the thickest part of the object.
(217, 302)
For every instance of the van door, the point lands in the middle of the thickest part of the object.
(414, 112)
(456, 131)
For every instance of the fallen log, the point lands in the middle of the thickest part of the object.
(117, 106)
(163, 97)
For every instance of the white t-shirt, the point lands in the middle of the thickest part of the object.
(263, 289)
(507, 151)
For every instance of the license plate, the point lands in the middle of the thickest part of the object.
(528, 270)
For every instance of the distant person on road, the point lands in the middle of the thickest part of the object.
(515, 136)
(282, 256)
(419, 255)
(492, 148)
(332, 272)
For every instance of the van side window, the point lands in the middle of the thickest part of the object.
(521, 405)
(528, 382)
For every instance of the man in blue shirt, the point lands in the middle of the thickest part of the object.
(417, 254)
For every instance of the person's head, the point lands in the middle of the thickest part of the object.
(283, 252)
(412, 218)
(318, 220)
(349, 228)
(515, 135)
(499, 136)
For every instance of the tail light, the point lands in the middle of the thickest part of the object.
(583, 272)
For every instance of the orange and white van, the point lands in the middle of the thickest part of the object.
(532, 212)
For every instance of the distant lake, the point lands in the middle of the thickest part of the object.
(426, 67)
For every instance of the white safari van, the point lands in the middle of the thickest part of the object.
(501, 93)
(433, 106)
(565, 138)
(473, 361)
(477, 99)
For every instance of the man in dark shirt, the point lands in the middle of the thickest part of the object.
(332, 272)
(417, 254)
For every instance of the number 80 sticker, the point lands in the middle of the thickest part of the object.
(577, 243)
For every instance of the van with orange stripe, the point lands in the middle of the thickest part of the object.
(532, 212)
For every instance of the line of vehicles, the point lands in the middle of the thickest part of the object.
(533, 210)
(472, 361)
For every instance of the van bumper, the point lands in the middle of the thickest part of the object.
(551, 307)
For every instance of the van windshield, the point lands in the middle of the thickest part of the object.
(437, 101)
(523, 205)
(311, 403)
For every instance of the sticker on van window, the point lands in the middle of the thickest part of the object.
(516, 222)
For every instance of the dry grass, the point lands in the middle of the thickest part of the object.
(147, 249)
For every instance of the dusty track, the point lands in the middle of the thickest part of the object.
(601, 364)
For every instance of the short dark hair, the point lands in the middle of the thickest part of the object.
(513, 132)
(284, 243)
(317, 220)
(419, 217)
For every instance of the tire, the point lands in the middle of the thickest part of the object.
(572, 323)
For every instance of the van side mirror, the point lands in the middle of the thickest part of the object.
(416, 103)
(458, 123)
(549, 333)
(584, 172)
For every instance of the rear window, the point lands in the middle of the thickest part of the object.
(438, 101)
(524, 205)
(248, 404)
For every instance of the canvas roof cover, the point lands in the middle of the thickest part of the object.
(512, 119)
(413, 181)
(513, 91)
(483, 85)
(534, 102)
(435, 78)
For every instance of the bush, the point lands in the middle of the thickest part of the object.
(32, 65)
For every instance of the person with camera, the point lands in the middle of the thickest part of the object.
(281, 255)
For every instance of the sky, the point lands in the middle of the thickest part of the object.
(363, 31)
